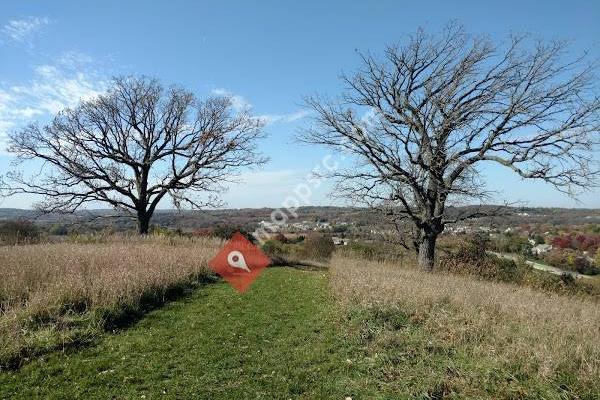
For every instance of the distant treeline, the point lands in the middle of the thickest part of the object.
(248, 218)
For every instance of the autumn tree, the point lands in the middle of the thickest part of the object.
(422, 119)
(134, 146)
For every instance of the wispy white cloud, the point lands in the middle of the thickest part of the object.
(286, 118)
(74, 59)
(24, 30)
(239, 103)
(53, 88)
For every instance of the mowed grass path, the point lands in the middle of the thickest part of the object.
(279, 340)
(286, 338)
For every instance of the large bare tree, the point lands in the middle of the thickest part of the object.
(422, 119)
(132, 147)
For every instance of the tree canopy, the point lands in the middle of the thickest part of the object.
(420, 121)
(133, 146)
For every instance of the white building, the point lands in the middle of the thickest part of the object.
(338, 241)
(541, 249)
(269, 226)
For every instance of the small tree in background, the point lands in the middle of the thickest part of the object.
(227, 231)
(280, 237)
(317, 247)
(18, 231)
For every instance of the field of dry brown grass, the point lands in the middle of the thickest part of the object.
(60, 294)
(487, 334)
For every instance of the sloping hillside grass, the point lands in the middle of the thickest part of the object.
(54, 296)
(279, 340)
(469, 338)
(363, 330)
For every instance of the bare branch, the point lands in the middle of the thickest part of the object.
(134, 146)
(421, 120)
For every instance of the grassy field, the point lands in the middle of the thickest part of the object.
(60, 295)
(287, 337)
(364, 330)
(470, 338)
(279, 340)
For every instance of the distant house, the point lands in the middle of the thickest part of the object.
(541, 249)
(323, 225)
(338, 241)
(269, 226)
(301, 226)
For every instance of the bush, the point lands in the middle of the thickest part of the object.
(470, 257)
(317, 247)
(18, 231)
(58, 230)
(570, 260)
(163, 231)
(203, 232)
(375, 251)
(513, 243)
(280, 237)
(227, 231)
(275, 250)
(583, 266)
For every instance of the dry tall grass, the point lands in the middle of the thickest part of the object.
(551, 337)
(53, 295)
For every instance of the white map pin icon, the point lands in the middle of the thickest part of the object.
(235, 259)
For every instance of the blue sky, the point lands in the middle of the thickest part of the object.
(268, 54)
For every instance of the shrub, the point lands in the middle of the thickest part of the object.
(513, 243)
(300, 239)
(203, 232)
(58, 230)
(375, 251)
(275, 249)
(584, 266)
(317, 247)
(227, 231)
(280, 237)
(470, 257)
(18, 231)
(163, 231)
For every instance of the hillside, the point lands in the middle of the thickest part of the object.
(289, 338)
(248, 218)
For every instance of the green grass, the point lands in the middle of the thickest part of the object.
(285, 338)
(278, 340)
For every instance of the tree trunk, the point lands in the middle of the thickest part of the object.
(143, 223)
(427, 252)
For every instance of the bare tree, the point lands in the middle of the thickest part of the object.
(420, 121)
(134, 146)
